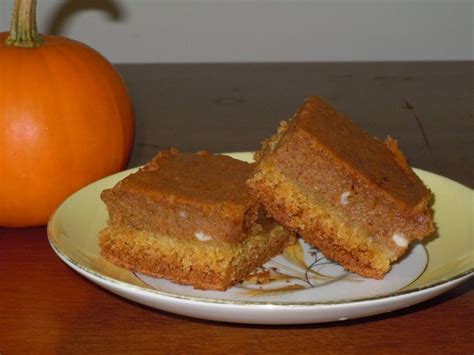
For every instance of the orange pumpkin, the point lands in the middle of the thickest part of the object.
(65, 120)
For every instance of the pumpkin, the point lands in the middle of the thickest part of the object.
(66, 120)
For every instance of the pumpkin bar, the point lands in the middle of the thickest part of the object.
(348, 194)
(189, 218)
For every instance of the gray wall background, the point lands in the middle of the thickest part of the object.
(182, 31)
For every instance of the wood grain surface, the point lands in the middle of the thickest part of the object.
(45, 307)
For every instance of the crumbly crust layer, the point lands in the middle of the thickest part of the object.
(295, 209)
(202, 264)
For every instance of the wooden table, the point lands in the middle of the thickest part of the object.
(46, 307)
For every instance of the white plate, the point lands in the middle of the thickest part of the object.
(304, 287)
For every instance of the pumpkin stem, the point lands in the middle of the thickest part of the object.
(23, 31)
